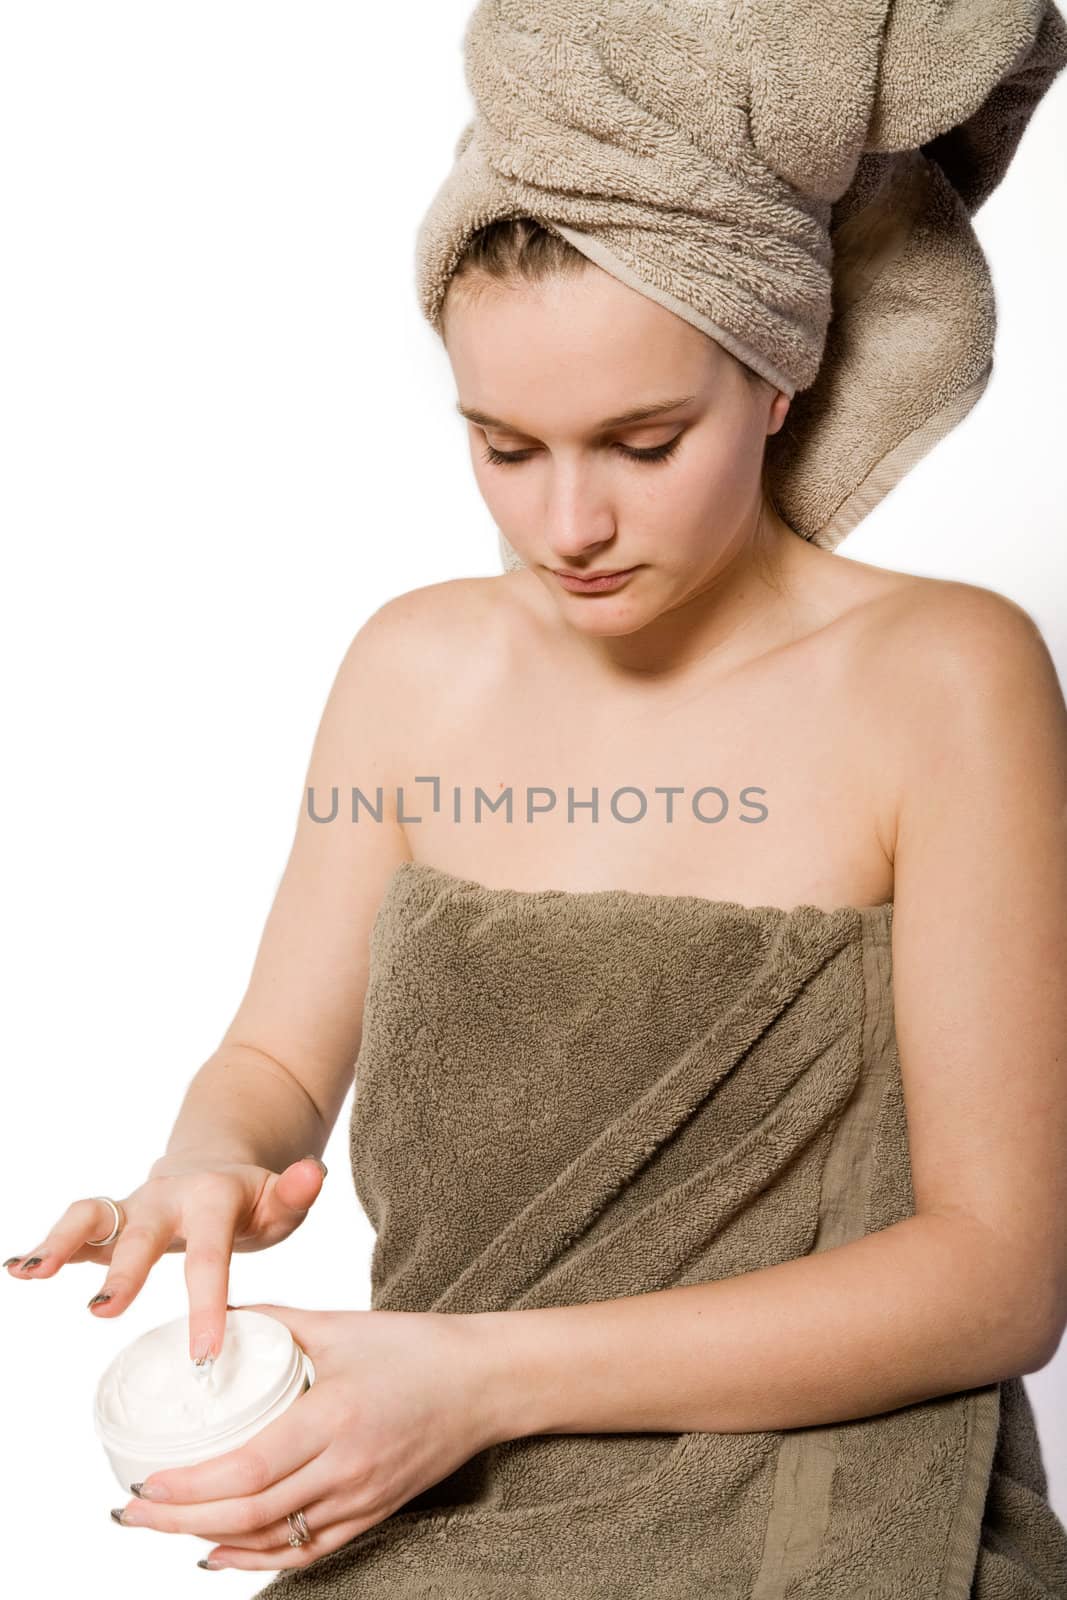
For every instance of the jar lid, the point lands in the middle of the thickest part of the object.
(153, 1396)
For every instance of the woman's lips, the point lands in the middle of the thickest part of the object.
(594, 585)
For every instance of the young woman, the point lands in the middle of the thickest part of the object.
(697, 932)
(861, 738)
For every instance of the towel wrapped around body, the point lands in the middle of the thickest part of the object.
(571, 1096)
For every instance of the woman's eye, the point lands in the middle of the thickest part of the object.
(660, 453)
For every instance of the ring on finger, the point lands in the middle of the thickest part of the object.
(269, 1537)
(299, 1532)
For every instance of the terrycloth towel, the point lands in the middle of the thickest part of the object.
(565, 1096)
(794, 177)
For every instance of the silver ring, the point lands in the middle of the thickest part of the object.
(298, 1528)
(119, 1220)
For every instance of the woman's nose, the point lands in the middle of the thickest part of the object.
(577, 532)
(576, 548)
(578, 521)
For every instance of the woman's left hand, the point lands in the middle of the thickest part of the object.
(399, 1401)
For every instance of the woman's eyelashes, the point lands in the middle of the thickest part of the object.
(661, 452)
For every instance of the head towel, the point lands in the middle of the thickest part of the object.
(794, 178)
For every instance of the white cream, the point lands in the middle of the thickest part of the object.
(155, 1408)
(153, 1388)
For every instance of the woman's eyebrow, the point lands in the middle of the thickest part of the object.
(636, 414)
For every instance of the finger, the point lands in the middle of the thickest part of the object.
(323, 1542)
(304, 1325)
(28, 1265)
(138, 1247)
(252, 1521)
(298, 1436)
(209, 1224)
(318, 1514)
(83, 1220)
(258, 1523)
(294, 1191)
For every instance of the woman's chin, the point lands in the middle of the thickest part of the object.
(612, 617)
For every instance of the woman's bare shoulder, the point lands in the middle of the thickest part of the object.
(455, 625)
(926, 648)
(928, 625)
(454, 602)
(936, 654)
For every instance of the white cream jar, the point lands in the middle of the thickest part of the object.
(156, 1409)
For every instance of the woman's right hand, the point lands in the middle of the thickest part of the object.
(206, 1207)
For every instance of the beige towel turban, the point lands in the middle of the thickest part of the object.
(794, 177)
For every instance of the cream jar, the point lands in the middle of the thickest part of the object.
(156, 1409)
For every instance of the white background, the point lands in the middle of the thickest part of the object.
(227, 438)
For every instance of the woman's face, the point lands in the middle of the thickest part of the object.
(541, 372)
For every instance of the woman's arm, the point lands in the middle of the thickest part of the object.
(919, 1309)
(973, 1288)
(272, 1090)
(241, 1106)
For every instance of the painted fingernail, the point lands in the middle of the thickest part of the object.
(123, 1518)
(212, 1566)
(153, 1491)
(202, 1349)
(10, 1262)
(97, 1300)
(34, 1261)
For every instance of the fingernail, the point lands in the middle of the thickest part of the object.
(317, 1162)
(10, 1262)
(211, 1566)
(150, 1491)
(202, 1349)
(97, 1300)
(34, 1261)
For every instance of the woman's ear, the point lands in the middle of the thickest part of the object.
(779, 410)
